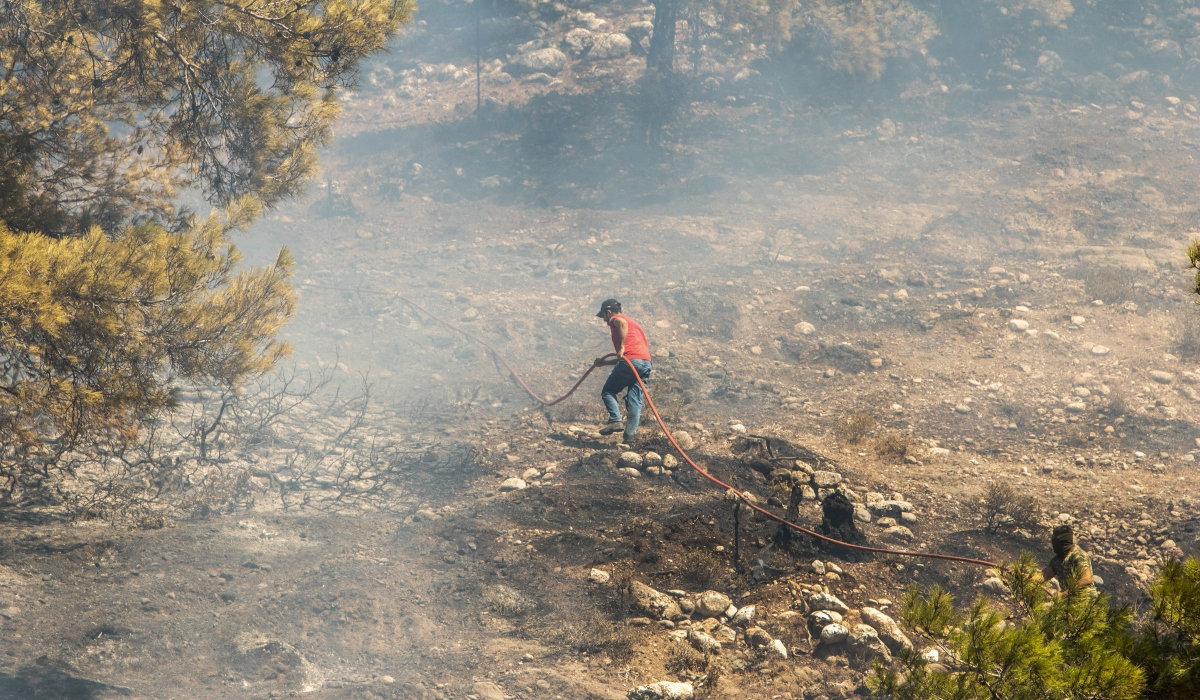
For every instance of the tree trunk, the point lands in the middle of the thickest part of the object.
(661, 56)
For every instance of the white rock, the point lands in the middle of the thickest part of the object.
(900, 533)
(821, 619)
(629, 459)
(531, 473)
(577, 41)
(1099, 350)
(702, 641)
(598, 576)
(630, 472)
(818, 567)
(512, 483)
(995, 586)
(777, 649)
(737, 428)
(834, 634)
(662, 690)
(861, 514)
(654, 603)
(1018, 324)
(610, 46)
(541, 61)
(825, 479)
(669, 461)
(712, 603)
(1076, 407)
(652, 459)
(827, 601)
(1078, 320)
(743, 617)
(804, 328)
(888, 630)
(1162, 377)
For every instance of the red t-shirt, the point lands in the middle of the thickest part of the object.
(636, 346)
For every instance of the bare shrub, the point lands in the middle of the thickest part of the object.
(683, 659)
(506, 601)
(1109, 284)
(1016, 411)
(852, 428)
(1186, 331)
(699, 568)
(1117, 403)
(1004, 507)
(893, 445)
(595, 635)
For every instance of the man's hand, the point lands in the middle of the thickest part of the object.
(598, 362)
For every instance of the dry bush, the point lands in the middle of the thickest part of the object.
(1016, 411)
(1006, 507)
(1186, 329)
(853, 428)
(1117, 403)
(682, 659)
(595, 635)
(1109, 284)
(506, 601)
(893, 445)
(700, 568)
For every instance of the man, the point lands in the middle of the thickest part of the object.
(629, 341)
(1070, 565)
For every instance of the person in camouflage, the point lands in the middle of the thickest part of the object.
(1070, 565)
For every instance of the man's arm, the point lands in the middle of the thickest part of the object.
(622, 332)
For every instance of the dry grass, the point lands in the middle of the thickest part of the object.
(853, 428)
(506, 601)
(595, 635)
(699, 568)
(682, 659)
(893, 445)
(1186, 331)
(1118, 402)
(1006, 507)
(1109, 284)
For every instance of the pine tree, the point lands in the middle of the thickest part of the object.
(1169, 646)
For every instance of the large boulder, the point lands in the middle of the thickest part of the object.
(609, 46)
(834, 634)
(702, 641)
(864, 644)
(654, 603)
(578, 41)
(712, 604)
(549, 61)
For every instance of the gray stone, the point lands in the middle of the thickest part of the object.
(908, 518)
(865, 644)
(652, 459)
(424, 515)
(629, 459)
(888, 630)
(487, 690)
(834, 634)
(549, 60)
(777, 649)
(886, 522)
(662, 690)
(890, 509)
(743, 617)
(610, 46)
(821, 619)
(712, 604)
(1161, 377)
(724, 634)
(598, 576)
(577, 41)
(826, 480)
(655, 604)
(996, 586)
(804, 328)
(900, 533)
(702, 641)
(861, 514)
(757, 637)
(1018, 324)
(669, 461)
(827, 601)
(512, 483)
(629, 471)
(639, 30)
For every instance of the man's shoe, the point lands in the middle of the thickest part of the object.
(612, 427)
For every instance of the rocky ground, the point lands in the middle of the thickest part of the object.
(995, 278)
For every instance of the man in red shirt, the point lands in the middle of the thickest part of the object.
(629, 340)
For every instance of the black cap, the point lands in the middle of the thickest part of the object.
(608, 305)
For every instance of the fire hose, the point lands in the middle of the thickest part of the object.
(670, 437)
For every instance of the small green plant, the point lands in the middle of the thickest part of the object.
(1004, 507)
(893, 445)
(851, 429)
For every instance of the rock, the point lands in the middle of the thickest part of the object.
(962, 408)
(598, 576)
(1099, 350)
(908, 518)
(578, 41)
(531, 473)
(888, 630)
(1162, 377)
(804, 328)
(777, 649)
(861, 514)
(652, 459)
(1018, 324)
(834, 634)
(886, 522)
(900, 533)
(1076, 407)
(610, 46)
(826, 480)
(684, 439)
(818, 567)
(743, 617)
(757, 637)
(426, 514)
(669, 461)
(890, 509)
(541, 61)
(655, 604)
(487, 690)
(662, 690)
(864, 642)
(737, 428)
(629, 459)
(630, 472)
(512, 483)
(995, 586)
(712, 603)
(821, 619)
(827, 601)
(702, 641)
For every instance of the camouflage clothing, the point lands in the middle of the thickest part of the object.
(1076, 562)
